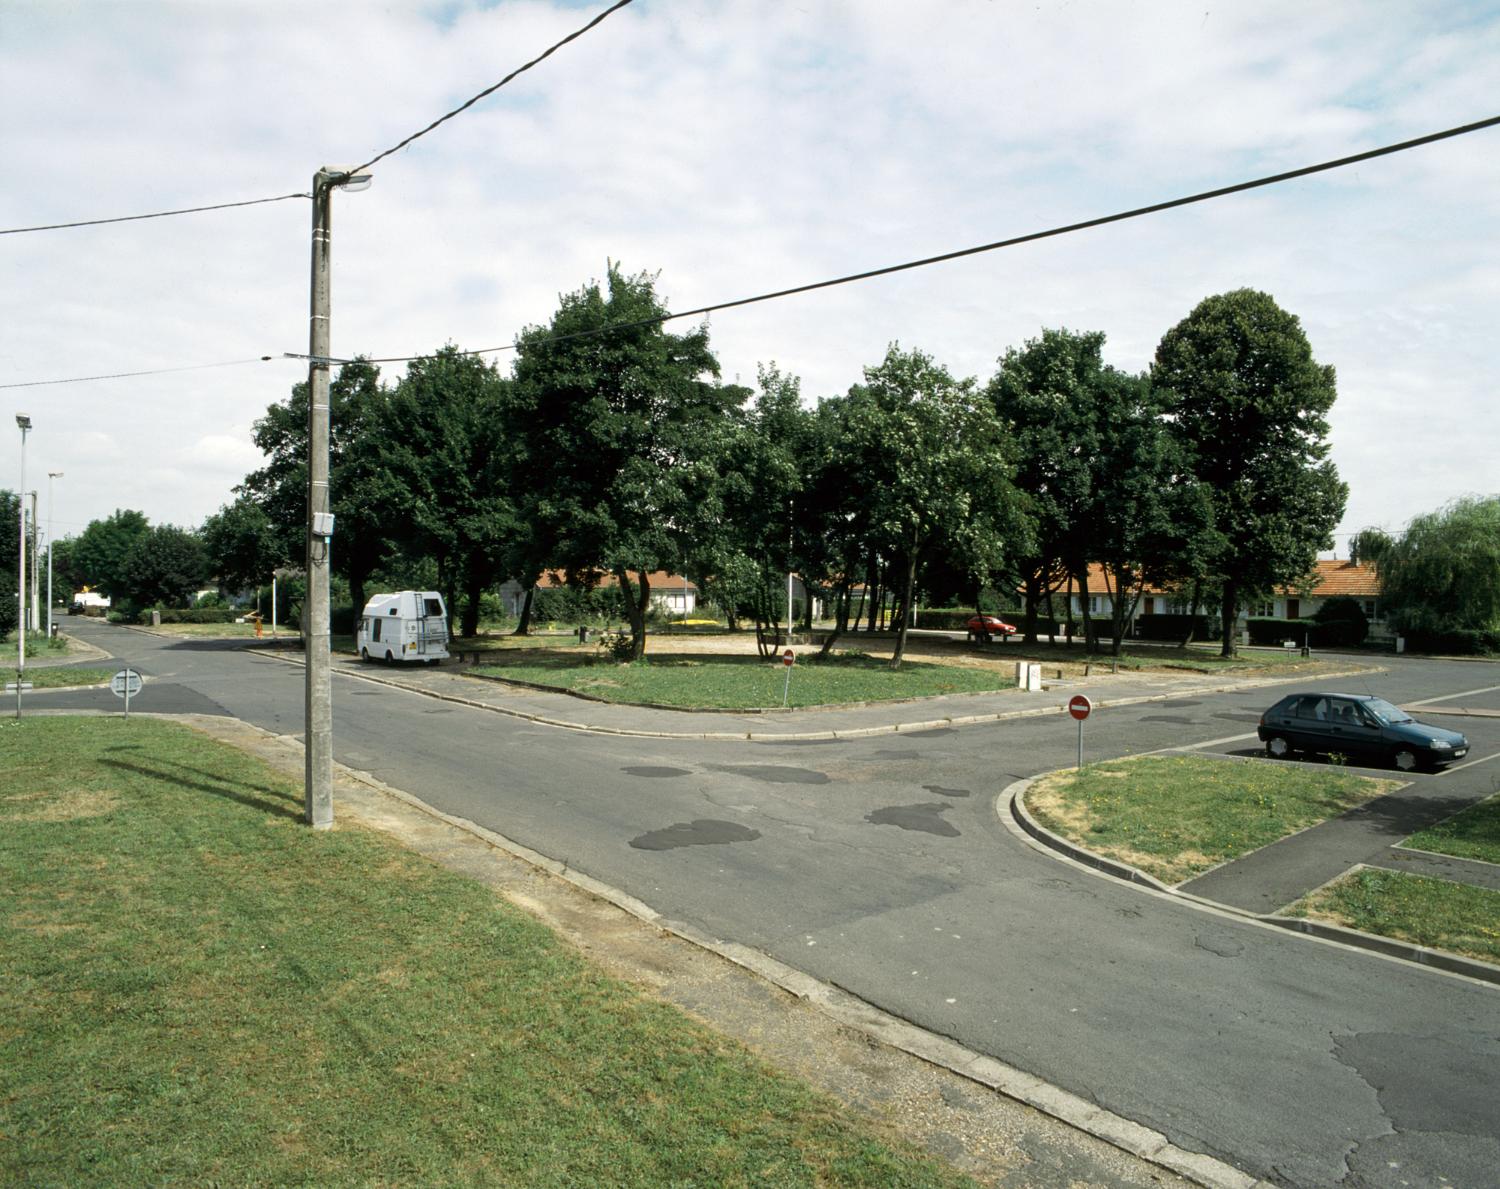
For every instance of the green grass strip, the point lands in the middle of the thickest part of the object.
(1176, 816)
(742, 683)
(1472, 834)
(199, 989)
(61, 678)
(1436, 913)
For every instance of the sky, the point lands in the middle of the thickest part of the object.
(733, 148)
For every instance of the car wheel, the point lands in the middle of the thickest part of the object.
(1278, 748)
(1406, 760)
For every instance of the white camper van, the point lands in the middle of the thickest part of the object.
(411, 625)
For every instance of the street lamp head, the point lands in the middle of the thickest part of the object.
(23, 421)
(348, 180)
(54, 474)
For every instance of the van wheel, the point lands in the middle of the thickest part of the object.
(364, 654)
(1406, 760)
(389, 659)
(1278, 748)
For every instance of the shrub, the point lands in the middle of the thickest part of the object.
(1341, 623)
(563, 604)
(342, 620)
(1175, 627)
(1455, 643)
(191, 614)
(9, 614)
(1266, 630)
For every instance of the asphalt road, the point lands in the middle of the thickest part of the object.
(880, 865)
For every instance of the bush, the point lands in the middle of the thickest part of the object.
(191, 614)
(212, 599)
(9, 614)
(1342, 623)
(1265, 630)
(1175, 627)
(342, 620)
(1462, 642)
(563, 604)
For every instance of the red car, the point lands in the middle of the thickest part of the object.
(982, 627)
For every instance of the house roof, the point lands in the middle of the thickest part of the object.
(660, 580)
(1331, 578)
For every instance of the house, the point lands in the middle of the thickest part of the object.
(670, 593)
(1331, 578)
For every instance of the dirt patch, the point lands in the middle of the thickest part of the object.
(60, 807)
(990, 1137)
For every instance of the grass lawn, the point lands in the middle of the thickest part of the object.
(1197, 658)
(60, 678)
(1472, 834)
(198, 989)
(1176, 816)
(745, 682)
(1432, 912)
(37, 647)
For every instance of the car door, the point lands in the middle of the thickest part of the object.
(1355, 734)
(1308, 725)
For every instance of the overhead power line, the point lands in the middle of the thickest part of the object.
(996, 245)
(159, 371)
(188, 210)
(519, 70)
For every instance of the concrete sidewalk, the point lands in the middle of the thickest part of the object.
(832, 722)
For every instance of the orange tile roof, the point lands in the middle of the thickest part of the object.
(1332, 577)
(660, 580)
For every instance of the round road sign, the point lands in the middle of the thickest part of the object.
(1079, 706)
(788, 657)
(125, 681)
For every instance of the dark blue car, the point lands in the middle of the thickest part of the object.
(1358, 726)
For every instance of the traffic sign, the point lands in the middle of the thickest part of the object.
(788, 658)
(10, 686)
(125, 684)
(1079, 706)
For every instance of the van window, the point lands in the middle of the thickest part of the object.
(374, 629)
(434, 606)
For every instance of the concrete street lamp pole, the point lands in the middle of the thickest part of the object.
(51, 475)
(25, 423)
(36, 552)
(318, 783)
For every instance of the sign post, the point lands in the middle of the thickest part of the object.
(1079, 707)
(123, 684)
(788, 658)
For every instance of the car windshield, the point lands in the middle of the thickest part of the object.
(1385, 713)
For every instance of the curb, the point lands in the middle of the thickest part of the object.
(795, 736)
(863, 1017)
(1403, 951)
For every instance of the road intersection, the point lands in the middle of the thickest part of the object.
(877, 863)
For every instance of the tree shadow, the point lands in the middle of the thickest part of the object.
(281, 805)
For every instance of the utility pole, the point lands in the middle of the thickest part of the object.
(51, 475)
(318, 701)
(36, 546)
(25, 423)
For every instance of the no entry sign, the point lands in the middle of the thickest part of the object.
(1079, 707)
(788, 658)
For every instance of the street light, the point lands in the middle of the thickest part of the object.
(318, 701)
(51, 475)
(25, 423)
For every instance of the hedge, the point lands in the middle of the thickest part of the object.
(1461, 642)
(1175, 627)
(192, 614)
(1266, 630)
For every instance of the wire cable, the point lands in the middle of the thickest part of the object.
(996, 245)
(160, 371)
(488, 91)
(188, 210)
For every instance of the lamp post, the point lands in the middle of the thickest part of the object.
(36, 553)
(318, 701)
(25, 423)
(51, 475)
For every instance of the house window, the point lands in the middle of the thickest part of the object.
(1370, 608)
(1265, 609)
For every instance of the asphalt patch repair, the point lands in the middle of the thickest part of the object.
(987, 1135)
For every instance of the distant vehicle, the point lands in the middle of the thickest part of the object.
(982, 627)
(88, 602)
(410, 625)
(1359, 726)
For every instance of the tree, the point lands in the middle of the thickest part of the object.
(443, 448)
(364, 498)
(10, 586)
(935, 467)
(1248, 405)
(164, 567)
(1443, 574)
(102, 551)
(240, 544)
(624, 430)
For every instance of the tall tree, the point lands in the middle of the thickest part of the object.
(165, 566)
(443, 448)
(1443, 573)
(1249, 406)
(102, 550)
(625, 426)
(367, 503)
(936, 469)
(240, 545)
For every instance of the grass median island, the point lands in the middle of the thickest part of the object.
(51, 677)
(1473, 833)
(1174, 817)
(1432, 912)
(726, 682)
(199, 989)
